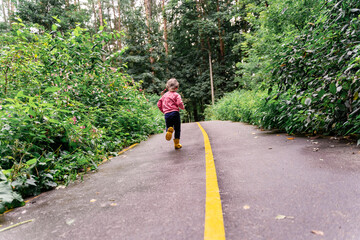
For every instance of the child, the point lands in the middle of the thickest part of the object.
(169, 104)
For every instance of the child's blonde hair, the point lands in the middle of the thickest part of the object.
(172, 84)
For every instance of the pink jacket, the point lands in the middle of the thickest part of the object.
(170, 102)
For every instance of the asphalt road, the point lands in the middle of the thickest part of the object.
(272, 186)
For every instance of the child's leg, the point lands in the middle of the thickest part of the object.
(169, 127)
(177, 125)
(168, 122)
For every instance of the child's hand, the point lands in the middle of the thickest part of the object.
(162, 93)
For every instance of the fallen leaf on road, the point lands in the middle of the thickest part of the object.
(282, 217)
(316, 232)
(113, 204)
(246, 207)
(290, 138)
(93, 200)
(70, 221)
(315, 149)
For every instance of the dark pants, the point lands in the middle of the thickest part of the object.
(172, 119)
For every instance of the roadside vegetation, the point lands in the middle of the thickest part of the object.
(306, 56)
(63, 109)
(239, 106)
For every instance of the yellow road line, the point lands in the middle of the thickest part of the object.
(214, 223)
(128, 148)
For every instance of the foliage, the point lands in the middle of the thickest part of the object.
(145, 54)
(239, 106)
(317, 73)
(192, 30)
(8, 198)
(63, 107)
(201, 30)
(307, 54)
(46, 12)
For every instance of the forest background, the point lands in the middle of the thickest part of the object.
(80, 79)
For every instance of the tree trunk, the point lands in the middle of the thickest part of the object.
(4, 11)
(148, 4)
(165, 28)
(100, 14)
(221, 33)
(119, 23)
(94, 12)
(195, 110)
(11, 7)
(114, 12)
(148, 12)
(200, 16)
(210, 73)
(110, 23)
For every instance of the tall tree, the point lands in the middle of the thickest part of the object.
(119, 22)
(221, 32)
(101, 19)
(3, 6)
(165, 27)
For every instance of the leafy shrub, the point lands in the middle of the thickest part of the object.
(244, 106)
(63, 108)
(9, 198)
(307, 54)
(317, 73)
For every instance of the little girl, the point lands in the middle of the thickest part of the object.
(169, 104)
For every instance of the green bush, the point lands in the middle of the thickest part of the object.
(244, 106)
(308, 53)
(317, 73)
(63, 107)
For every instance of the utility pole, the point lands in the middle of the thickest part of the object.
(211, 79)
(211, 74)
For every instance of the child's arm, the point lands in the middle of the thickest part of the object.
(162, 93)
(159, 104)
(179, 102)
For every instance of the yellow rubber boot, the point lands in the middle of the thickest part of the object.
(169, 133)
(177, 143)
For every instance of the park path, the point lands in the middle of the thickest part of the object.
(272, 186)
